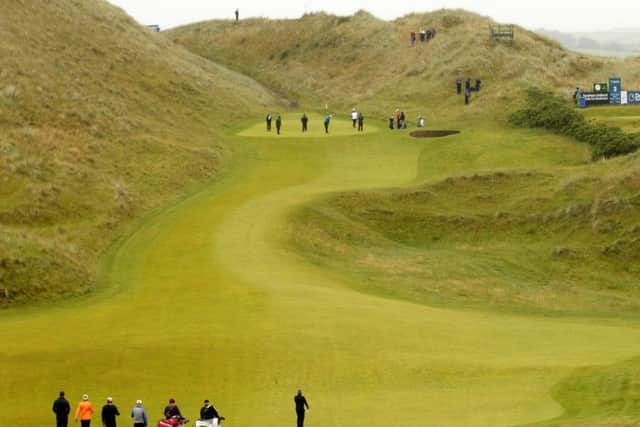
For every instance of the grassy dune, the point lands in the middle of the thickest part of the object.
(362, 60)
(100, 120)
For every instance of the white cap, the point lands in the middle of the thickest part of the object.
(138, 402)
(109, 399)
(85, 397)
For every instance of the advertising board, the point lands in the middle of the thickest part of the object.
(615, 89)
(633, 97)
(596, 98)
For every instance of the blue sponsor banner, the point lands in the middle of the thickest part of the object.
(615, 90)
(633, 97)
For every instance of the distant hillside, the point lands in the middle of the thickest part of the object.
(100, 119)
(620, 43)
(323, 59)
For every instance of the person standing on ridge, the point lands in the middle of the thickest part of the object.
(278, 123)
(301, 403)
(327, 121)
(360, 122)
(109, 413)
(269, 118)
(139, 415)
(61, 408)
(172, 410)
(354, 117)
(304, 119)
(237, 15)
(84, 411)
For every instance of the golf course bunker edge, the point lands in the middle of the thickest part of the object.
(433, 133)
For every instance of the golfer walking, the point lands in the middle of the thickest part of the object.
(301, 403)
(84, 411)
(61, 408)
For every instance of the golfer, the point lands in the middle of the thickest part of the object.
(301, 403)
(61, 408)
(139, 415)
(84, 411)
(327, 121)
(109, 413)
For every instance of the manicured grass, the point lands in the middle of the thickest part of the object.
(206, 300)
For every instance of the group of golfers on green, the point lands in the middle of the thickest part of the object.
(356, 117)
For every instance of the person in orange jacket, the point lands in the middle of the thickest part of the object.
(84, 411)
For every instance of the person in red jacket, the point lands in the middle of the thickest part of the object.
(84, 411)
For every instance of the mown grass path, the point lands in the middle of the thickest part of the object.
(204, 301)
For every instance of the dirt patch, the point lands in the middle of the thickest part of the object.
(433, 133)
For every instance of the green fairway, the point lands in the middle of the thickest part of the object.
(205, 299)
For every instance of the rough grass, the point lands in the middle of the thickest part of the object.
(362, 60)
(100, 120)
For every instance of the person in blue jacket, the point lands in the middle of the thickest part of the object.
(327, 121)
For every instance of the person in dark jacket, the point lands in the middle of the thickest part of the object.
(301, 403)
(61, 408)
(391, 122)
(478, 83)
(360, 122)
(467, 96)
(278, 123)
(208, 411)
(109, 413)
(467, 84)
(172, 410)
(459, 86)
(269, 118)
(304, 121)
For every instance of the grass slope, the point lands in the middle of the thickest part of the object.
(100, 120)
(359, 59)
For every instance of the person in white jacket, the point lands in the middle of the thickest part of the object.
(354, 117)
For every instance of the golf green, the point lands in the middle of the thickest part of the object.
(203, 300)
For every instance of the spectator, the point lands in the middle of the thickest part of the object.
(478, 83)
(360, 122)
(304, 119)
(391, 122)
(420, 121)
(467, 95)
(237, 15)
(459, 85)
(412, 38)
(278, 123)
